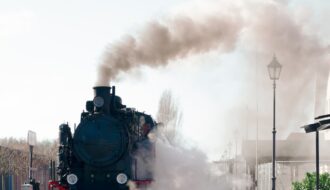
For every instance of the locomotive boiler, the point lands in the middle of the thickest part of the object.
(109, 147)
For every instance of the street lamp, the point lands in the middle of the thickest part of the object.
(274, 70)
(32, 141)
(323, 123)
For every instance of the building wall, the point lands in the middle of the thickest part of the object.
(286, 173)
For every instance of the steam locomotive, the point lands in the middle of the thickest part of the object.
(108, 149)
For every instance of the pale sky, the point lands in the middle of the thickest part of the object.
(49, 52)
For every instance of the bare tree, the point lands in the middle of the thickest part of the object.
(47, 148)
(14, 155)
(13, 161)
(169, 115)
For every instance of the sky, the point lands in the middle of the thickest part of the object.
(50, 50)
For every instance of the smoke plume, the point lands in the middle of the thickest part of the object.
(162, 41)
(262, 27)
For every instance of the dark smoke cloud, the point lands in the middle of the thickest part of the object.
(160, 42)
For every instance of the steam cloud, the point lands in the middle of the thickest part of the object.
(179, 168)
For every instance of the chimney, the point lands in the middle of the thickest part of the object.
(102, 99)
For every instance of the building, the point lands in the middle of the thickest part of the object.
(294, 157)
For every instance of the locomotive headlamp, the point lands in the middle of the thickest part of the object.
(98, 101)
(72, 179)
(122, 178)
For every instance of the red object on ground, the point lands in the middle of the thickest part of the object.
(56, 185)
(143, 182)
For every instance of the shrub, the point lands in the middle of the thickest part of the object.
(309, 182)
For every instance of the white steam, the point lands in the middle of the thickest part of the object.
(181, 168)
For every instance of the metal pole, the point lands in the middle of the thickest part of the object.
(317, 161)
(274, 140)
(257, 163)
(30, 163)
(257, 131)
(9, 176)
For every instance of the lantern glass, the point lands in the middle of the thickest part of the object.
(274, 69)
(32, 138)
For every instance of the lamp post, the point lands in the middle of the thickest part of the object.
(274, 70)
(32, 141)
(323, 123)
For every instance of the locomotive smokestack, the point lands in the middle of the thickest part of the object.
(102, 99)
(113, 105)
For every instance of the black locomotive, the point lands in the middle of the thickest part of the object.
(108, 148)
